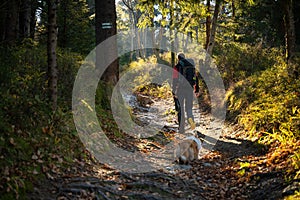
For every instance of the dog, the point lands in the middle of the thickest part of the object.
(188, 149)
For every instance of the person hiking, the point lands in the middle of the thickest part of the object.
(185, 83)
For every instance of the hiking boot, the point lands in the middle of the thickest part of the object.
(192, 123)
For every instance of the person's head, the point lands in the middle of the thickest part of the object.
(181, 56)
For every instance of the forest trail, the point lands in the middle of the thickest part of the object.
(235, 169)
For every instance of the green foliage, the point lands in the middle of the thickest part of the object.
(237, 61)
(75, 26)
(270, 111)
(32, 136)
(244, 166)
(260, 21)
(183, 16)
(157, 91)
(68, 64)
(294, 196)
(276, 103)
(143, 82)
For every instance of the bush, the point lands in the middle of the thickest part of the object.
(29, 128)
(237, 61)
(267, 105)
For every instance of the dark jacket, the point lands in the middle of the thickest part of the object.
(186, 67)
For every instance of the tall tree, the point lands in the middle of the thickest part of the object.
(207, 23)
(75, 25)
(17, 20)
(106, 26)
(33, 17)
(290, 33)
(172, 32)
(25, 18)
(11, 21)
(211, 42)
(134, 15)
(51, 52)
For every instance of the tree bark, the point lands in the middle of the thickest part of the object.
(212, 34)
(233, 8)
(51, 52)
(24, 19)
(62, 37)
(3, 14)
(134, 16)
(207, 24)
(106, 26)
(33, 18)
(290, 33)
(172, 32)
(11, 30)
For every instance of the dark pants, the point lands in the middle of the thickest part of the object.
(184, 103)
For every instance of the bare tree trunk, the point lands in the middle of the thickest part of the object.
(33, 19)
(3, 14)
(134, 18)
(25, 17)
(185, 42)
(51, 52)
(139, 44)
(62, 37)
(11, 31)
(137, 15)
(214, 27)
(172, 34)
(207, 24)
(106, 26)
(290, 34)
(233, 8)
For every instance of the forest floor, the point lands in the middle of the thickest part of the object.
(235, 169)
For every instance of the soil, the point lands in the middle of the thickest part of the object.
(235, 169)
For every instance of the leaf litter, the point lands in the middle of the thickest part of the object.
(237, 168)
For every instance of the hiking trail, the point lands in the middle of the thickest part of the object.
(230, 171)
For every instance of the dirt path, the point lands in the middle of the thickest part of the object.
(234, 170)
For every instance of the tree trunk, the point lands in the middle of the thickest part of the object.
(33, 19)
(207, 24)
(211, 42)
(62, 35)
(3, 14)
(11, 31)
(51, 52)
(290, 34)
(233, 8)
(172, 33)
(25, 17)
(132, 27)
(106, 26)
(134, 15)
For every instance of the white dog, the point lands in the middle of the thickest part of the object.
(188, 150)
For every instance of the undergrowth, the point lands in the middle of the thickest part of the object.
(267, 105)
(35, 142)
(144, 74)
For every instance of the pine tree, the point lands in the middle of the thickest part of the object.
(106, 26)
(51, 52)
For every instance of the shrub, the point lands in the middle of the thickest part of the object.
(267, 105)
(27, 124)
(237, 61)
